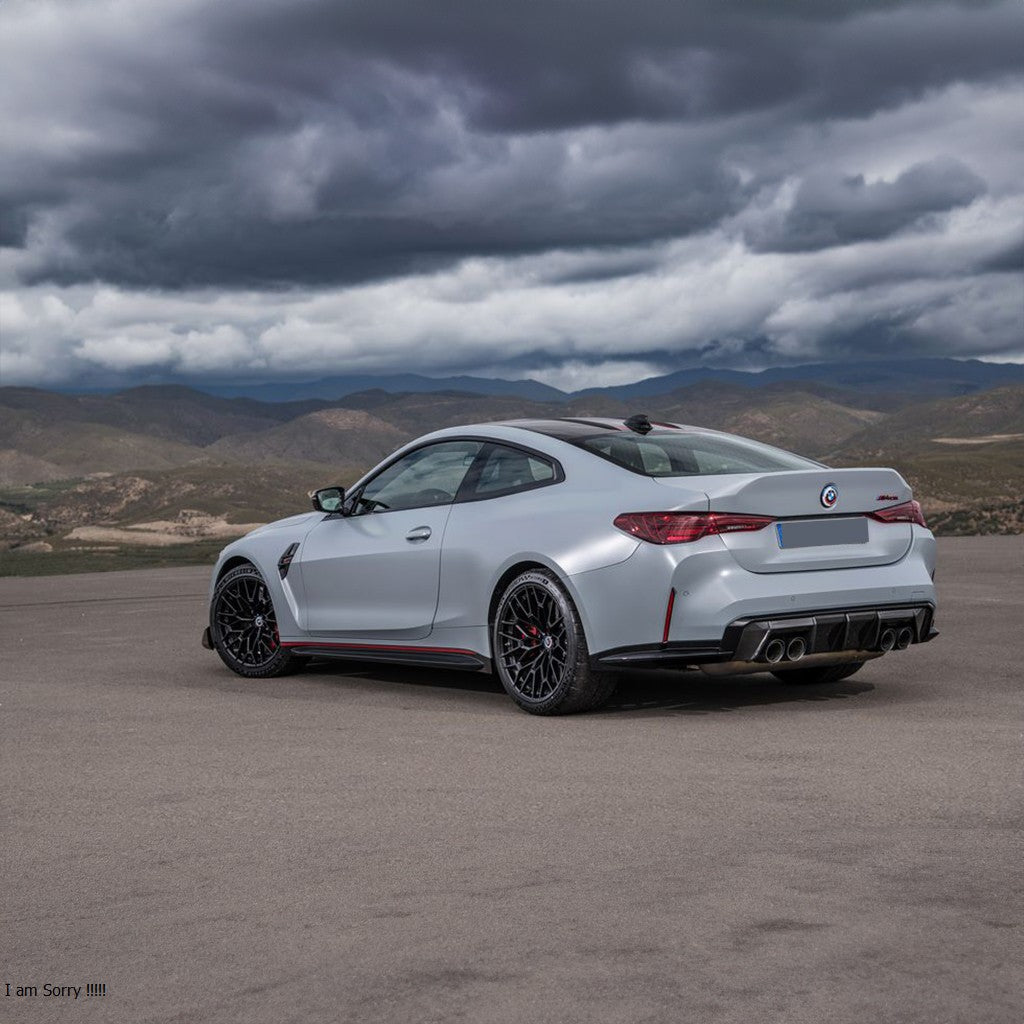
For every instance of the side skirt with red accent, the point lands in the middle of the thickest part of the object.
(436, 657)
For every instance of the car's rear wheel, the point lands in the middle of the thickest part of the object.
(243, 626)
(821, 674)
(540, 651)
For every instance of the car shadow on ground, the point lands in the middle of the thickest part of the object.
(679, 692)
(697, 694)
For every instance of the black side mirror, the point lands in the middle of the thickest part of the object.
(328, 499)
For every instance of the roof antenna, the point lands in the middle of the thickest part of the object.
(639, 424)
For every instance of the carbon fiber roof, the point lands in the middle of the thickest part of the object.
(573, 428)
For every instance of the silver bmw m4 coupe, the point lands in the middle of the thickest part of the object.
(558, 553)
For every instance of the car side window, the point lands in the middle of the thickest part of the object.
(506, 470)
(427, 476)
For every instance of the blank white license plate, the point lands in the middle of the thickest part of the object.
(818, 533)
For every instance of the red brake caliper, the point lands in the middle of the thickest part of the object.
(531, 632)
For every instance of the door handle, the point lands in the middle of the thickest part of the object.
(419, 533)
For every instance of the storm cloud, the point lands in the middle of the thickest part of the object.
(828, 211)
(198, 187)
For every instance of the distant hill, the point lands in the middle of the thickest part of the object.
(781, 414)
(333, 388)
(238, 493)
(124, 478)
(171, 412)
(419, 413)
(335, 437)
(916, 377)
(37, 446)
(965, 421)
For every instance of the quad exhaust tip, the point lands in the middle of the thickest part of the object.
(796, 649)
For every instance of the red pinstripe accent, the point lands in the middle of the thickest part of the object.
(668, 615)
(380, 647)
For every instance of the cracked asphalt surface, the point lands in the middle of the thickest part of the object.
(368, 844)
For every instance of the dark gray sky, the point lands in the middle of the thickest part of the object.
(584, 191)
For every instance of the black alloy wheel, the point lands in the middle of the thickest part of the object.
(535, 643)
(540, 651)
(243, 626)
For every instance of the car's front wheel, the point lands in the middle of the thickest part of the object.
(540, 651)
(243, 626)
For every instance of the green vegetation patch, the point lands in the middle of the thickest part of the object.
(102, 559)
(28, 498)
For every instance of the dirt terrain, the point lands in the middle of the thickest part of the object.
(156, 475)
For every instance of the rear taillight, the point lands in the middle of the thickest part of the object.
(908, 512)
(683, 527)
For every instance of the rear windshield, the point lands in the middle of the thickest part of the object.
(675, 454)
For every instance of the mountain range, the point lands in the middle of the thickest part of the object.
(160, 473)
(915, 377)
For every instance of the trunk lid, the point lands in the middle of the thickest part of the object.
(820, 517)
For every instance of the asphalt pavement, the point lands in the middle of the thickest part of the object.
(371, 844)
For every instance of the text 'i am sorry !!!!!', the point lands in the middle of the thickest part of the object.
(55, 991)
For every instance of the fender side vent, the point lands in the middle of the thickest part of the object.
(285, 561)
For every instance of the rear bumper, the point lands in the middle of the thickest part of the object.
(829, 634)
(627, 604)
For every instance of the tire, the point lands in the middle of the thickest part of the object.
(540, 651)
(243, 627)
(821, 674)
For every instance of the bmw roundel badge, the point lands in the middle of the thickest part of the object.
(829, 495)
